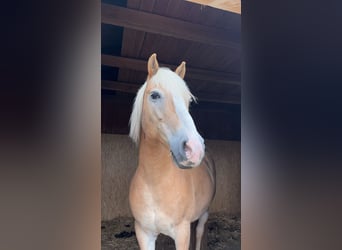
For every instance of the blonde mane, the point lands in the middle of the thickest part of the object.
(165, 78)
(135, 120)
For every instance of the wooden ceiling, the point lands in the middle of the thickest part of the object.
(208, 39)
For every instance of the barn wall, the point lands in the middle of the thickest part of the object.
(119, 160)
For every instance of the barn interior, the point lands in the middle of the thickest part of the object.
(204, 34)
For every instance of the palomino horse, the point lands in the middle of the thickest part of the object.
(174, 183)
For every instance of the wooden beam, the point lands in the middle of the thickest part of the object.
(191, 73)
(133, 88)
(229, 5)
(153, 23)
(120, 86)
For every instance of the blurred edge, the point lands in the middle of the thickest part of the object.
(50, 125)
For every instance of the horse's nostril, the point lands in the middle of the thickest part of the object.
(184, 145)
(187, 150)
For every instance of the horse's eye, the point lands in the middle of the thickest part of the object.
(155, 95)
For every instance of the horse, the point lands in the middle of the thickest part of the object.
(174, 182)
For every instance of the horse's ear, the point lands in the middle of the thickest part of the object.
(181, 70)
(152, 65)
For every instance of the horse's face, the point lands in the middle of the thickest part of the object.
(166, 117)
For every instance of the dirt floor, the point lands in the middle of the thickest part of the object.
(223, 234)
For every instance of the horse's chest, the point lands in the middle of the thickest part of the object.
(158, 216)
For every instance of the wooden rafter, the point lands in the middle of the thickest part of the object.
(191, 73)
(167, 26)
(229, 5)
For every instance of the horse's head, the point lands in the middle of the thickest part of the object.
(161, 110)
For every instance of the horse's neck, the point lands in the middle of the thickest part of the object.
(154, 158)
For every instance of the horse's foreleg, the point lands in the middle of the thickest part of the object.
(182, 236)
(200, 229)
(145, 239)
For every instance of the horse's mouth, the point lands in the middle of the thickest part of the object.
(181, 166)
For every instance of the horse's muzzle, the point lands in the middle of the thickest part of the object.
(188, 153)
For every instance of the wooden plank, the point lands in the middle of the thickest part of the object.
(191, 73)
(133, 88)
(173, 50)
(167, 26)
(124, 62)
(229, 5)
(120, 86)
(132, 40)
